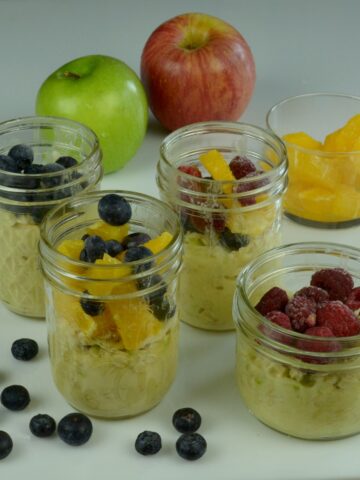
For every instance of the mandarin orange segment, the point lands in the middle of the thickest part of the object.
(218, 168)
(71, 248)
(159, 243)
(302, 139)
(345, 139)
(108, 232)
(100, 283)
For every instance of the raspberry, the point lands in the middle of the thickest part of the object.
(248, 186)
(339, 318)
(274, 299)
(318, 346)
(190, 170)
(301, 311)
(319, 295)
(201, 223)
(279, 318)
(336, 281)
(353, 300)
(241, 166)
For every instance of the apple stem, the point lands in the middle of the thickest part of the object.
(68, 74)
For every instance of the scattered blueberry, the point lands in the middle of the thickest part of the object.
(191, 446)
(91, 307)
(75, 429)
(52, 180)
(6, 444)
(24, 349)
(186, 420)
(135, 239)
(94, 247)
(67, 162)
(233, 241)
(114, 209)
(148, 443)
(15, 397)
(42, 425)
(113, 247)
(23, 155)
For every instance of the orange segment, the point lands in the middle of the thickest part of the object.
(108, 232)
(71, 248)
(218, 167)
(159, 243)
(101, 283)
(302, 139)
(346, 139)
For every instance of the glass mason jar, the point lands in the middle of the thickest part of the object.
(300, 385)
(26, 197)
(226, 223)
(112, 326)
(324, 185)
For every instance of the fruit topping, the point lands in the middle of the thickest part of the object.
(280, 318)
(42, 425)
(317, 294)
(138, 253)
(241, 167)
(114, 209)
(353, 300)
(135, 239)
(218, 168)
(94, 247)
(302, 312)
(15, 397)
(336, 281)
(233, 241)
(190, 170)
(339, 318)
(24, 349)
(191, 446)
(75, 429)
(186, 420)
(67, 162)
(22, 155)
(274, 299)
(159, 243)
(113, 248)
(8, 165)
(51, 181)
(148, 443)
(6, 444)
(91, 307)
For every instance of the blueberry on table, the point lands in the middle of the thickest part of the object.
(15, 397)
(114, 209)
(6, 444)
(191, 446)
(42, 425)
(66, 161)
(186, 420)
(135, 239)
(24, 349)
(148, 443)
(233, 241)
(75, 429)
(113, 247)
(23, 155)
(95, 248)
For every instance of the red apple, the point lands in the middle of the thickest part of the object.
(196, 67)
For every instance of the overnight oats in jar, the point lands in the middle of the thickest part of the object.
(42, 161)
(297, 316)
(111, 261)
(226, 182)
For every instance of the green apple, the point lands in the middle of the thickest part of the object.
(105, 94)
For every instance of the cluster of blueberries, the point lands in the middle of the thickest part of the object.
(190, 445)
(34, 176)
(115, 210)
(74, 429)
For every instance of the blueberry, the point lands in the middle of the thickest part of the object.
(94, 247)
(23, 155)
(8, 164)
(31, 181)
(34, 169)
(158, 302)
(15, 397)
(66, 162)
(191, 446)
(75, 429)
(114, 209)
(113, 247)
(84, 256)
(137, 253)
(91, 307)
(85, 236)
(42, 425)
(24, 349)
(186, 420)
(56, 178)
(148, 443)
(135, 239)
(6, 444)
(233, 241)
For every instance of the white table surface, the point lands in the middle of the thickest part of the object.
(299, 47)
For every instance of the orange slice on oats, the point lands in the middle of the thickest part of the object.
(159, 243)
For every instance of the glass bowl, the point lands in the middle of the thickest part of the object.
(324, 185)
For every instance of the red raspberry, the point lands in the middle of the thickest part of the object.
(302, 312)
(198, 222)
(317, 294)
(339, 318)
(336, 281)
(279, 318)
(190, 170)
(241, 166)
(317, 345)
(248, 186)
(353, 300)
(274, 299)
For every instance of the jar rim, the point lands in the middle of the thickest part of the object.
(310, 151)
